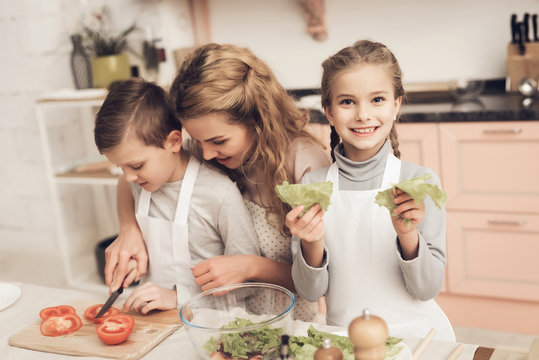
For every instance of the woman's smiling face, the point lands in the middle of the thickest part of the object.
(363, 109)
(220, 139)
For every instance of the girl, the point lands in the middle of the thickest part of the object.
(243, 121)
(358, 254)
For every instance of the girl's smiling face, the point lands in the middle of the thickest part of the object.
(363, 109)
(220, 139)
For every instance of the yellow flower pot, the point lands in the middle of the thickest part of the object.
(108, 69)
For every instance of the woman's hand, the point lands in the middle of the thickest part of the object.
(150, 297)
(128, 245)
(221, 270)
(407, 233)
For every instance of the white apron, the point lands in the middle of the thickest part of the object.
(167, 242)
(363, 264)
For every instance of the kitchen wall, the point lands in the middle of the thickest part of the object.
(35, 48)
(433, 40)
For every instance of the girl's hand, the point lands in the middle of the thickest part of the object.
(407, 233)
(309, 227)
(149, 297)
(128, 245)
(221, 270)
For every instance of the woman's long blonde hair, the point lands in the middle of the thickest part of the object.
(362, 52)
(232, 80)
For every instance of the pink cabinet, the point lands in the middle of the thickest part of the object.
(491, 175)
(491, 166)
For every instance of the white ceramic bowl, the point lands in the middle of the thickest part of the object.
(215, 319)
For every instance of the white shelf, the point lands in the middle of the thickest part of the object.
(98, 204)
(94, 178)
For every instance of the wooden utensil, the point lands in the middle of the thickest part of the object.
(148, 331)
(423, 344)
(455, 353)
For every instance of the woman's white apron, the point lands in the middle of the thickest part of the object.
(363, 264)
(167, 241)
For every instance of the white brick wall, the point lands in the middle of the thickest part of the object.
(35, 43)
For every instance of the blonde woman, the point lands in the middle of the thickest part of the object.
(240, 119)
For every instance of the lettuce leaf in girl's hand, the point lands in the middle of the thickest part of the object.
(417, 188)
(305, 194)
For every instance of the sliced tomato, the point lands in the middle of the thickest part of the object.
(60, 324)
(115, 329)
(92, 311)
(56, 311)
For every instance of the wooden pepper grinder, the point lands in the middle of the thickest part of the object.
(328, 352)
(368, 333)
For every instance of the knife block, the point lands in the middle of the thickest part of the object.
(522, 66)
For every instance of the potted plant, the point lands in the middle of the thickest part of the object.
(110, 62)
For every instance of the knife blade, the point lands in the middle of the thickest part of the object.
(112, 298)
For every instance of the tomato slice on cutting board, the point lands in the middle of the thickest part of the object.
(60, 324)
(92, 311)
(57, 311)
(115, 329)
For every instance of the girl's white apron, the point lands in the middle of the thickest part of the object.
(363, 264)
(167, 241)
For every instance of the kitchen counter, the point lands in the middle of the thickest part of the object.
(500, 107)
(33, 298)
(493, 105)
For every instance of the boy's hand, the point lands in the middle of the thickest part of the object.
(149, 297)
(309, 227)
(407, 233)
(129, 245)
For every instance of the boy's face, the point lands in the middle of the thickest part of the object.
(149, 166)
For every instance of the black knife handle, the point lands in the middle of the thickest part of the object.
(514, 28)
(521, 46)
(526, 27)
(534, 25)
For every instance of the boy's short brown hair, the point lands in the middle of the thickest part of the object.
(136, 106)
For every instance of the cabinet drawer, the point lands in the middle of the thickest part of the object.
(418, 143)
(493, 254)
(491, 166)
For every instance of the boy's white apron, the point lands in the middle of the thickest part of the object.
(167, 242)
(363, 264)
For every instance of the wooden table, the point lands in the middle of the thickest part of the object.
(34, 298)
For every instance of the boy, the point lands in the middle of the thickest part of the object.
(186, 211)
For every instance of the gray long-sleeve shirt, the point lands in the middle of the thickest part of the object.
(423, 275)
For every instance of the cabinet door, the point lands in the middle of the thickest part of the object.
(418, 143)
(491, 166)
(493, 254)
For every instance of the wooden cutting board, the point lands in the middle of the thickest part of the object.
(149, 330)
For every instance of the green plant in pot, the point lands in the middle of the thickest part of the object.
(110, 63)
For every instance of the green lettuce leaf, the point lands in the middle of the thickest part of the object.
(305, 194)
(417, 188)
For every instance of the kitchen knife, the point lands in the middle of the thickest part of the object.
(112, 298)
(521, 46)
(514, 35)
(534, 25)
(526, 28)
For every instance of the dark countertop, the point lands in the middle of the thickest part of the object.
(502, 107)
(494, 104)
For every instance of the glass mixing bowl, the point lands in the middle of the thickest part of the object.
(242, 320)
